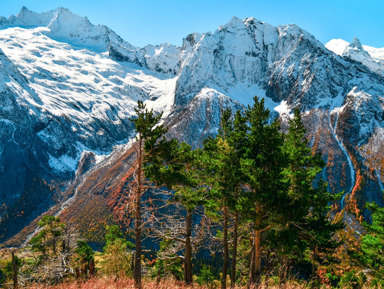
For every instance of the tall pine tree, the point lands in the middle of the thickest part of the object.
(305, 223)
(224, 176)
(177, 168)
(263, 167)
(150, 141)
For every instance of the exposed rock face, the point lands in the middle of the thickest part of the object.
(66, 96)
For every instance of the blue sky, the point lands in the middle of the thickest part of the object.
(143, 22)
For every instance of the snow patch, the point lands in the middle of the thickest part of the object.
(337, 46)
(283, 108)
(63, 164)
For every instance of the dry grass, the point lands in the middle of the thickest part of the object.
(104, 283)
(107, 283)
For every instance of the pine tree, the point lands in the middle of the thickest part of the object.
(189, 194)
(116, 252)
(149, 141)
(218, 177)
(224, 176)
(305, 222)
(262, 166)
(47, 239)
(372, 244)
(177, 168)
(84, 258)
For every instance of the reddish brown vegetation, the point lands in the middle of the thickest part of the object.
(352, 199)
(103, 283)
(96, 203)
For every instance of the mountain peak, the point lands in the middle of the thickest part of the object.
(65, 26)
(64, 12)
(356, 44)
(368, 56)
(23, 10)
(252, 20)
(235, 21)
(63, 9)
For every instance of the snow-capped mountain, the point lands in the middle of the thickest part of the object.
(68, 88)
(371, 57)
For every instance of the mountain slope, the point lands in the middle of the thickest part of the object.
(67, 95)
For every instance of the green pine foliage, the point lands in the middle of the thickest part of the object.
(47, 240)
(372, 243)
(84, 259)
(117, 258)
(113, 235)
(305, 223)
(262, 166)
(8, 268)
(2, 277)
(206, 277)
(147, 126)
(168, 265)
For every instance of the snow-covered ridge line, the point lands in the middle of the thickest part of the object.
(371, 57)
(338, 46)
(64, 26)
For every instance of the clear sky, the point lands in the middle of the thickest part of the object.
(143, 22)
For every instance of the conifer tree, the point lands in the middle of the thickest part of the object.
(218, 167)
(305, 222)
(372, 243)
(224, 176)
(84, 258)
(176, 168)
(149, 141)
(262, 166)
(47, 239)
(116, 252)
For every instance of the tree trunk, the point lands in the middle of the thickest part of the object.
(234, 250)
(255, 272)
(188, 250)
(137, 272)
(54, 245)
(15, 269)
(133, 262)
(283, 270)
(257, 256)
(225, 248)
(251, 267)
(138, 251)
(92, 267)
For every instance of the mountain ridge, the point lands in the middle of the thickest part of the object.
(371, 57)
